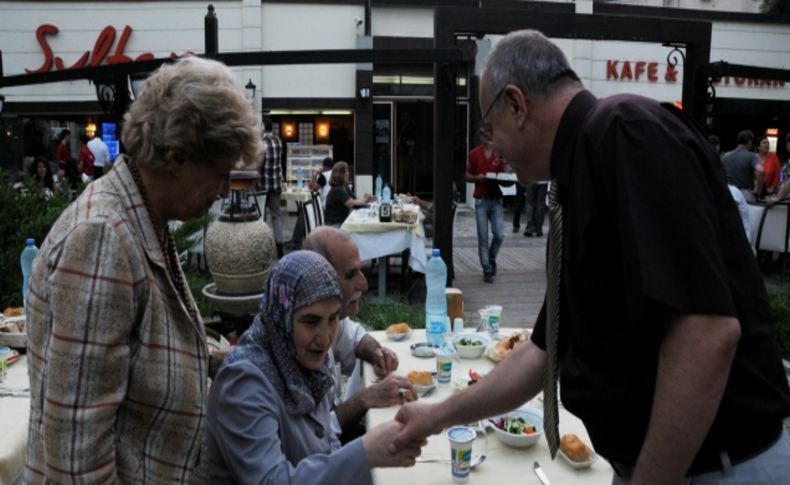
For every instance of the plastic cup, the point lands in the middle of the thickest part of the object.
(444, 365)
(494, 318)
(461, 439)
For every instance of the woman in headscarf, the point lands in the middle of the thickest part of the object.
(270, 404)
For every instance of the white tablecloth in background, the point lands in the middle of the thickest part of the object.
(503, 465)
(379, 244)
(14, 412)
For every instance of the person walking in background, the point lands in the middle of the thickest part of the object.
(488, 201)
(117, 350)
(536, 208)
(770, 163)
(85, 159)
(271, 180)
(101, 156)
(518, 207)
(656, 321)
(743, 168)
(63, 148)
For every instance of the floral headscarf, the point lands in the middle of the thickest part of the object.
(300, 279)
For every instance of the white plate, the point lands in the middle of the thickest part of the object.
(399, 337)
(423, 350)
(579, 464)
(421, 389)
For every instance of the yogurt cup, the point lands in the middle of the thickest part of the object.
(444, 365)
(461, 439)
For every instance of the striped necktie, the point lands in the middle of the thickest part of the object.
(550, 408)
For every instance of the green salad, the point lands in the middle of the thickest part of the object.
(466, 342)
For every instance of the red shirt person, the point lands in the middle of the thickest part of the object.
(488, 202)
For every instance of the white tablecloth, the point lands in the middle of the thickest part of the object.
(503, 465)
(380, 244)
(14, 412)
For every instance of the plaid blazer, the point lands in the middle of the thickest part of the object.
(118, 368)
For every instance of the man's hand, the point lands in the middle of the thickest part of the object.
(384, 362)
(419, 421)
(387, 392)
(376, 443)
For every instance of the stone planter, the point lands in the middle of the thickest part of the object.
(240, 253)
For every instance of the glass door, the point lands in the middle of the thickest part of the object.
(383, 146)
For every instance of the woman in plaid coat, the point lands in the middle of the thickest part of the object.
(117, 349)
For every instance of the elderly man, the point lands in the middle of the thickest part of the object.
(656, 317)
(352, 342)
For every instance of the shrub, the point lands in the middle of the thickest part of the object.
(23, 215)
(780, 304)
(379, 314)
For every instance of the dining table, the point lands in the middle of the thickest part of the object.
(14, 413)
(380, 240)
(502, 464)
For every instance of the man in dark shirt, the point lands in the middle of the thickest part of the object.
(666, 341)
(743, 167)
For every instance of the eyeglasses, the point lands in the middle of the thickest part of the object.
(499, 93)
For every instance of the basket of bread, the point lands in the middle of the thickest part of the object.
(12, 328)
(499, 349)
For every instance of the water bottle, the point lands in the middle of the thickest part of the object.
(26, 261)
(5, 352)
(435, 299)
(386, 194)
(299, 179)
(378, 187)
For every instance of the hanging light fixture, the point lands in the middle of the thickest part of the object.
(250, 87)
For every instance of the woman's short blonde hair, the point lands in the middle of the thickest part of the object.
(339, 172)
(193, 110)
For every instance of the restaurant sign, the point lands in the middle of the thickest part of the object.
(99, 54)
(638, 71)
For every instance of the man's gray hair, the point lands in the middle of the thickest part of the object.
(527, 59)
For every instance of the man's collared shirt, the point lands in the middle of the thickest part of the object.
(271, 168)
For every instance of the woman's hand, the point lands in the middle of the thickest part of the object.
(388, 392)
(376, 442)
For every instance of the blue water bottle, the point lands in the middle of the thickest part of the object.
(299, 179)
(379, 183)
(26, 261)
(386, 194)
(435, 299)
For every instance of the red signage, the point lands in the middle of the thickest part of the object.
(100, 52)
(742, 81)
(638, 70)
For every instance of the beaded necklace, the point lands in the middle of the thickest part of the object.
(166, 243)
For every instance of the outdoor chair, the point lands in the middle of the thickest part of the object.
(772, 230)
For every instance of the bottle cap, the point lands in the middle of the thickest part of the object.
(30, 242)
(436, 252)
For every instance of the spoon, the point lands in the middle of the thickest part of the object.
(476, 460)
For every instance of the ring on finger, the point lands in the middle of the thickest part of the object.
(402, 391)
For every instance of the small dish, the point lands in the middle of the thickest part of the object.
(421, 389)
(528, 414)
(579, 464)
(399, 336)
(471, 351)
(423, 350)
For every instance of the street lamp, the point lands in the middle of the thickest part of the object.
(250, 87)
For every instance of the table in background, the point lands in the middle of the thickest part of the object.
(503, 464)
(14, 413)
(383, 239)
